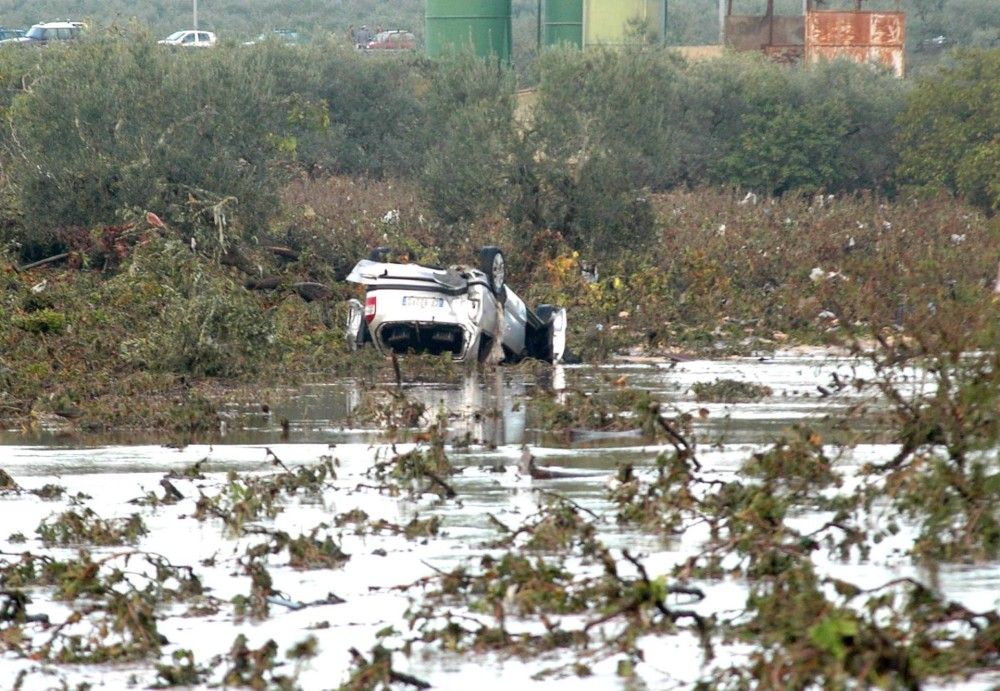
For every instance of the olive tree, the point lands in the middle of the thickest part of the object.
(949, 135)
(112, 125)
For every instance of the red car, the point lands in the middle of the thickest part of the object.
(393, 40)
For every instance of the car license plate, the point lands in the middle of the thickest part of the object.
(422, 302)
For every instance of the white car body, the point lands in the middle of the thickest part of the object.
(410, 307)
(189, 39)
(49, 32)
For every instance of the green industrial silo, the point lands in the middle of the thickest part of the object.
(482, 25)
(561, 22)
(614, 22)
(588, 23)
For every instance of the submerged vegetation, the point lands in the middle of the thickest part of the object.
(556, 586)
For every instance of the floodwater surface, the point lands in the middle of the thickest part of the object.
(491, 418)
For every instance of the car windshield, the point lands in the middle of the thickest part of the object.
(175, 36)
(36, 32)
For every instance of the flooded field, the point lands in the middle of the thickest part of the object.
(376, 544)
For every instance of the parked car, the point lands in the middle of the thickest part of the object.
(286, 36)
(189, 39)
(392, 40)
(461, 310)
(6, 34)
(49, 32)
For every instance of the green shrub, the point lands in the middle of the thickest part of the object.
(948, 135)
(190, 319)
(470, 111)
(44, 321)
(113, 125)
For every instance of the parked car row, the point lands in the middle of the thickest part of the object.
(47, 32)
(41, 34)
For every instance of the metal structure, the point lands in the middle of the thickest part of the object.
(780, 37)
(864, 37)
(484, 26)
(560, 22)
(589, 23)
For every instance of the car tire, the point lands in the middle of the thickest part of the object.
(492, 263)
(545, 312)
(543, 339)
(546, 347)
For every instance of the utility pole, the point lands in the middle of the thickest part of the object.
(194, 11)
(722, 22)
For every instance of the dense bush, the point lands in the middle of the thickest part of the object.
(600, 136)
(471, 123)
(356, 113)
(108, 126)
(949, 136)
(740, 120)
(198, 321)
(205, 139)
(609, 127)
(827, 127)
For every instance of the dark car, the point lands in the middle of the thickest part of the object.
(10, 33)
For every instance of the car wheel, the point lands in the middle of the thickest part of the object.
(553, 346)
(543, 344)
(491, 263)
(545, 312)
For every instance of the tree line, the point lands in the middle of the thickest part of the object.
(109, 127)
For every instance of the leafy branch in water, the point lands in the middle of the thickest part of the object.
(422, 469)
(945, 478)
(304, 551)
(891, 636)
(246, 498)
(499, 605)
(377, 673)
(730, 391)
(87, 528)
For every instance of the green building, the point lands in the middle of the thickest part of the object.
(587, 23)
(482, 25)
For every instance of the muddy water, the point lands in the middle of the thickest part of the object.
(495, 412)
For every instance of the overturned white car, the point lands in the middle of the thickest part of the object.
(463, 310)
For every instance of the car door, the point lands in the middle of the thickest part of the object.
(515, 314)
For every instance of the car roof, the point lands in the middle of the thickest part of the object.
(59, 25)
(455, 277)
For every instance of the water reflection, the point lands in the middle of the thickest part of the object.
(484, 409)
(494, 408)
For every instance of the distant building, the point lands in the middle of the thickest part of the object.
(866, 37)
